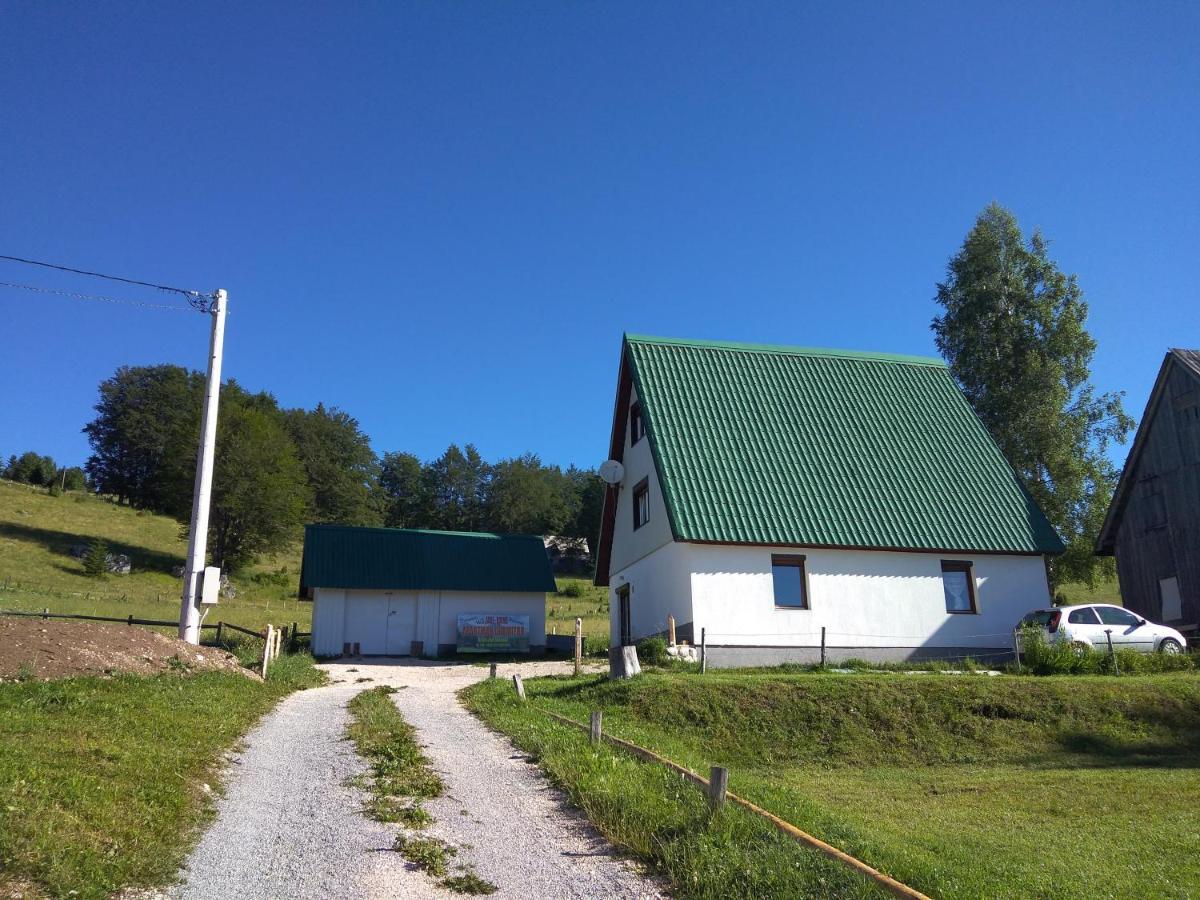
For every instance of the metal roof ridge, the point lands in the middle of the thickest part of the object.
(471, 534)
(867, 355)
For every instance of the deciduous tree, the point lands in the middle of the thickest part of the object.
(340, 466)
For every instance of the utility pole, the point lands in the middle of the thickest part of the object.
(189, 610)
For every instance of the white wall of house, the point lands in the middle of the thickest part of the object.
(864, 598)
(629, 545)
(659, 585)
(387, 622)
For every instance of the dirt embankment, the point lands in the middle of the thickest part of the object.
(49, 648)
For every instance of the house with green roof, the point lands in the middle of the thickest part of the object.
(407, 591)
(774, 497)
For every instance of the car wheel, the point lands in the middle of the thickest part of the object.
(1170, 645)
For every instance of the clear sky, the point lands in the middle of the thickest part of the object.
(442, 216)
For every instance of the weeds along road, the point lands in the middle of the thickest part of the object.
(291, 821)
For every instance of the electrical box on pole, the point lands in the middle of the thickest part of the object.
(193, 574)
(210, 586)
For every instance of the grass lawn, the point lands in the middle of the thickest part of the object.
(960, 786)
(102, 780)
(37, 571)
(578, 597)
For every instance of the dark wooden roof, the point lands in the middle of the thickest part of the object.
(1189, 360)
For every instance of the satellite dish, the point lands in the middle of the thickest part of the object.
(612, 472)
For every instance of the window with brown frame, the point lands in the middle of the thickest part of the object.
(637, 425)
(789, 578)
(958, 584)
(641, 503)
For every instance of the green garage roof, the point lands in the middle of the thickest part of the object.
(784, 445)
(405, 559)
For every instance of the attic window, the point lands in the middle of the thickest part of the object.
(637, 425)
(641, 503)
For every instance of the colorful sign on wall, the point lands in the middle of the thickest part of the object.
(492, 633)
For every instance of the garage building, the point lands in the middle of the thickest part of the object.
(401, 592)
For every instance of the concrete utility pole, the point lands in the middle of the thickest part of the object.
(189, 610)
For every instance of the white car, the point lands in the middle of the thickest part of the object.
(1091, 626)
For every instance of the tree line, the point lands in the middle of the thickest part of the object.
(278, 468)
(33, 468)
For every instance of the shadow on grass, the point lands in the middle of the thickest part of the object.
(1094, 750)
(61, 542)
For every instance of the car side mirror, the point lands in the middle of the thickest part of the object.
(1141, 622)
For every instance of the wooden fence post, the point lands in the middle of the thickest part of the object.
(718, 784)
(1017, 649)
(822, 646)
(220, 632)
(597, 726)
(519, 685)
(703, 651)
(670, 631)
(131, 618)
(266, 660)
(578, 646)
(295, 642)
(492, 671)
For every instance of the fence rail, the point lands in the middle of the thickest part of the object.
(126, 620)
(885, 882)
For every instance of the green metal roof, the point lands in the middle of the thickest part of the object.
(763, 444)
(340, 556)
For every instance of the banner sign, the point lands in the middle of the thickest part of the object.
(490, 633)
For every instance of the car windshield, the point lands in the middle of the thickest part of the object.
(1038, 617)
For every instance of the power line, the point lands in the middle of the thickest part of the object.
(160, 287)
(77, 296)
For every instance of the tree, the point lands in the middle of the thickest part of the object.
(1013, 332)
(95, 561)
(527, 497)
(259, 488)
(144, 437)
(341, 467)
(590, 488)
(74, 480)
(456, 484)
(405, 502)
(31, 468)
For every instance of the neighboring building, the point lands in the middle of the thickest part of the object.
(770, 492)
(568, 555)
(401, 592)
(1153, 522)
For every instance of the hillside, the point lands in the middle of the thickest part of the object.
(37, 571)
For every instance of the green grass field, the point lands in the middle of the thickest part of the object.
(102, 780)
(37, 571)
(963, 787)
(578, 597)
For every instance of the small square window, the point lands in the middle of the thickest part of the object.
(637, 425)
(790, 582)
(958, 584)
(641, 504)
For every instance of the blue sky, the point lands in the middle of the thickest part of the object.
(442, 216)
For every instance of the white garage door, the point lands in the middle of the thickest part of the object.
(381, 625)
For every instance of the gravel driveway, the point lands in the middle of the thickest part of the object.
(290, 825)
